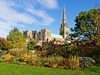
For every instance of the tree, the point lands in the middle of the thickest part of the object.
(96, 19)
(98, 41)
(85, 27)
(31, 44)
(16, 39)
(4, 44)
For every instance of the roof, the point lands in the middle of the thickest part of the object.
(56, 36)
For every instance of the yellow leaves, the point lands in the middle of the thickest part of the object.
(25, 57)
(98, 41)
(74, 61)
(16, 39)
(8, 57)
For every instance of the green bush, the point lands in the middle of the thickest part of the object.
(1, 59)
(17, 62)
(31, 44)
(95, 54)
(45, 61)
(56, 50)
(46, 64)
(61, 67)
(55, 58)
(17, 52)
(84, 65)
(23, 63)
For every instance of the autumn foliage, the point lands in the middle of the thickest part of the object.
(74, 61)
(8, 57)
(4, 44)
(98, 41)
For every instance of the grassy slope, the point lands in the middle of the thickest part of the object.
(13, 69)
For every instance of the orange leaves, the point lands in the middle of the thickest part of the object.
(4, 44)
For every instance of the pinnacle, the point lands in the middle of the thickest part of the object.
(64, 17)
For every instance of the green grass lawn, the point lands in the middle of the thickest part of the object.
(14, 69)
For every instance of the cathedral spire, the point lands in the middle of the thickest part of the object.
(64, 29)
(64, 22)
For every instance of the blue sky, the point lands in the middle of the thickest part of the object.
(40, 14)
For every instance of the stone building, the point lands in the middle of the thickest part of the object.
(45, 34)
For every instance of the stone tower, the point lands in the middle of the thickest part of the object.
(64, 29)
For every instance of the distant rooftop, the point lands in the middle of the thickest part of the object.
(56, 36)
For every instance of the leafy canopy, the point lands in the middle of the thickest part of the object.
(16, 39)
(31, 44)
(85, 27)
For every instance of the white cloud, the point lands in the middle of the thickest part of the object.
(9, 14)
(47, 20)
(10, 17)
(52, 4)
(4, 27)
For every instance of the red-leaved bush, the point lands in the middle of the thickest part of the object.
(4, 44)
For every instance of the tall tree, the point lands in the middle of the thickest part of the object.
(96, 19)
(16, 39)
(85, 27)
(98, 41)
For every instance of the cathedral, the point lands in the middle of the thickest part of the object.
(45, 34)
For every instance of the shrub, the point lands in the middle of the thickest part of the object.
(53, 64)
(56, 50)
(64, 63)
(1, 59)
(38, 53)
(44, 53)
(8, 57)
(36, 62)
(73, 49)
(17, 52)
(61, 67)
(56, 58)
(17, 61)
(1, 53)
(95, 54)
(23, 63)
(29, 57)
(26, 57)
(84, 65)
(45, 61)
(73, 61)
(46, 64)
(31, 44)
(98, 41)
(4, 44)
(86, 51)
